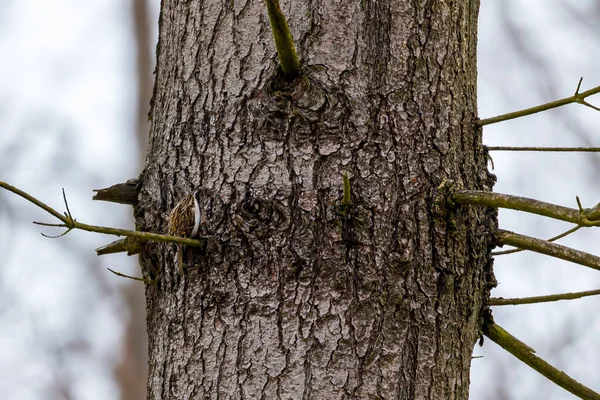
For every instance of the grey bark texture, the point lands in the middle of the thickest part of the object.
(296, 296)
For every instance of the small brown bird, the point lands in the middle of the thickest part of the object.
(184, 221)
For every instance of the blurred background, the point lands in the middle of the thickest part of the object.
(75, 84)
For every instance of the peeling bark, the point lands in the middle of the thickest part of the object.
(298, 297)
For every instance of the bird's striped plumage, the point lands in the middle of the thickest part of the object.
(184, 221)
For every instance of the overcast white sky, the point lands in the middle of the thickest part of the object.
(67, 119)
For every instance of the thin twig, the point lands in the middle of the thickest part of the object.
(147, 236)
(68, 214)
(499, 301)
(553, 239)
(526, 354)
(133, 277)
(549, 249)
(33, 200)
(53, 236)
(545, 149)
(576, 98)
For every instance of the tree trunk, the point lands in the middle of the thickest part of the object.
(297, 296)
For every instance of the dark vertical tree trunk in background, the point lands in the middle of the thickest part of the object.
(295, 296)
(131, 370)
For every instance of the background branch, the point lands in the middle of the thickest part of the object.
(526, 354)
(499, 200)
(499, 301)
(545, 149)
(552, 239)
(549, 249)
(576, 98)
(70, 223)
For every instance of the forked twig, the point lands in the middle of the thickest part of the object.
(70, 223)
(576, 98)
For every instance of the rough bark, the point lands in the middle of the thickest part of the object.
(297, 297)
